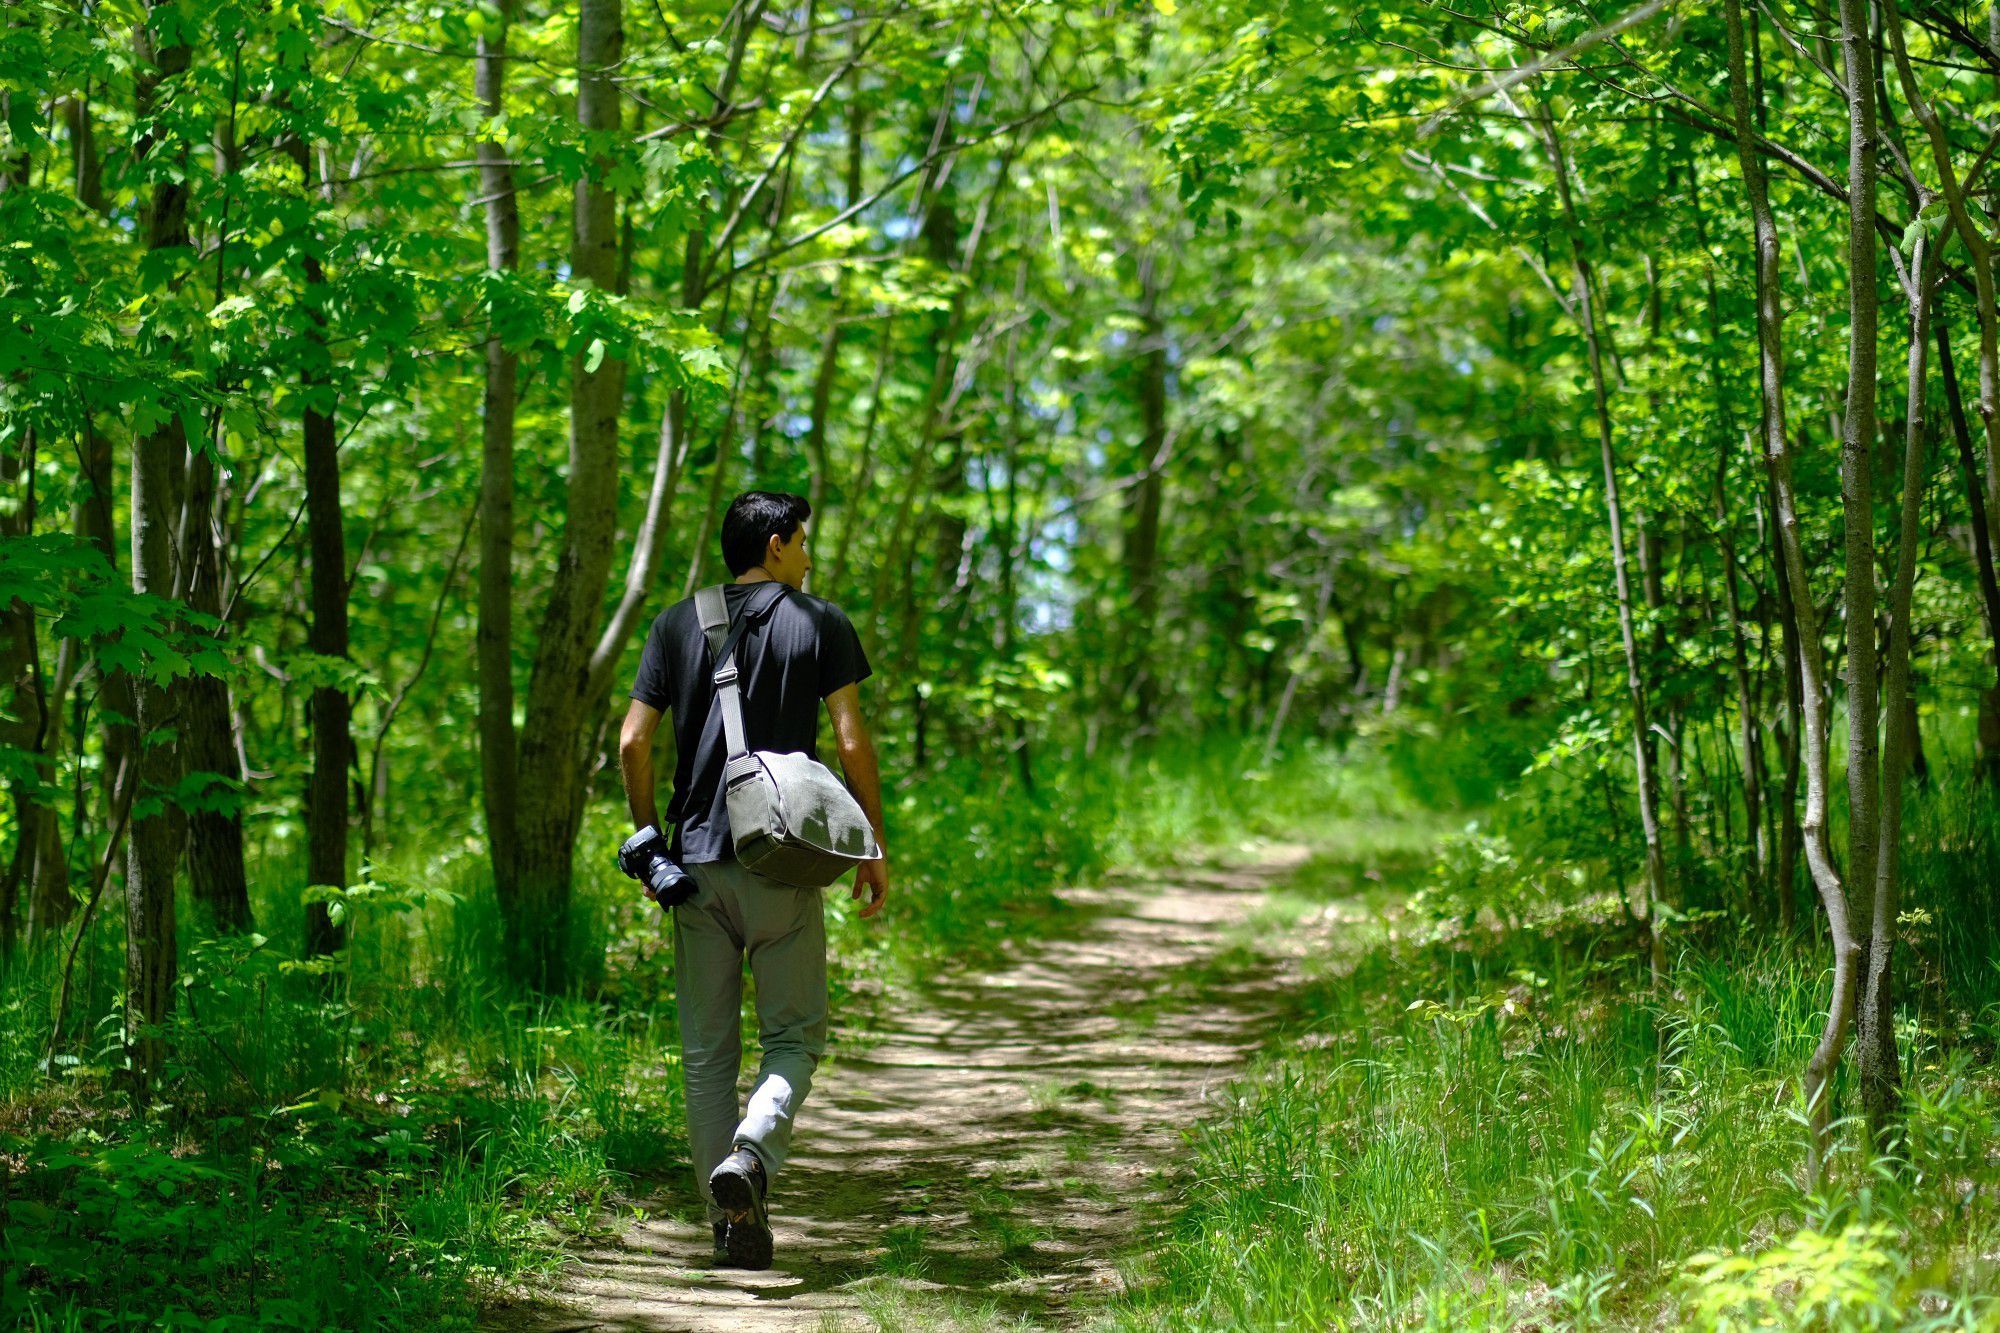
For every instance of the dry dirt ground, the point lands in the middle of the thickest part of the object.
(986, 1155)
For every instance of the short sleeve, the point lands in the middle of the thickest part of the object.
(841, 661)
(654, 683)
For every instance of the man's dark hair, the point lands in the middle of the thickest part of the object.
(754, 518)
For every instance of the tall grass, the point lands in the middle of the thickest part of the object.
(385, 1138)
(1473, 1124)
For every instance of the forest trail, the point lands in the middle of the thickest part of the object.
(986, 1151)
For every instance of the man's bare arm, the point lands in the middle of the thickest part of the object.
(635, 763)
(857, 761)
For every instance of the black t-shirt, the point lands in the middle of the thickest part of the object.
(792, 655)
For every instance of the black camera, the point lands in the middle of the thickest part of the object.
(644, 856)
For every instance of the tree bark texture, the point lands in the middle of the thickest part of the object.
(1635, 684)
(551, 755)
(153, 848)
(495, 648)
(1806, 645)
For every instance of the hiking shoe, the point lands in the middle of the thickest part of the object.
(721, 1242)
(738, 1186)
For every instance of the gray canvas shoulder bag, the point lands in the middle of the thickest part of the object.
(790, 818)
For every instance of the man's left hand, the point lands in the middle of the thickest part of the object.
(871, 885)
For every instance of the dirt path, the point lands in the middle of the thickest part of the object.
(983, 1156)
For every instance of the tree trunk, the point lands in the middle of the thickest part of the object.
(1980, 249)
(25, 725)
(1982, 554)
(217, 882)
(154, 845)
(1857, 471)
(676, 433)
(754, 351)
(1880, 1067)
(1778, 463)
(857, 490)
(496, 486)
(829, 351)
(1009, 526)
(1750, 737)
(330, 716)
(50, 903)
(1791, 751)
(551, 759)
(332, 733)
(1750, 734)
(1667, 769)
(1635, 685)
(1142, 519)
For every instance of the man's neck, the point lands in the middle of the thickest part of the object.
(757, 575)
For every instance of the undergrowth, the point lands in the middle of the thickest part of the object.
(1482, 1116)
(389, 1137)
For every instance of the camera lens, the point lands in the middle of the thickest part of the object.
(670, 884)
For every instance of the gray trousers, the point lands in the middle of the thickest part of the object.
(782, 930)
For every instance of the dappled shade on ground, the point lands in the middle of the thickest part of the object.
(993, 1144)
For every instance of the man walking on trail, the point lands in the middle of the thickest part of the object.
(795, 650)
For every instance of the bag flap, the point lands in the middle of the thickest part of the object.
(817, 807)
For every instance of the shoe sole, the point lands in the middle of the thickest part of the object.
(750, 1245)
(733, 1193)
(749, 1239)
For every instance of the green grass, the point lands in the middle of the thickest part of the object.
(365, 1148)
(383, 1142)
(1478, 1124)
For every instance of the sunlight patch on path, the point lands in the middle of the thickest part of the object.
(981, 1158)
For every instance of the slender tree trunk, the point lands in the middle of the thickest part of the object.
(551, 755)
(25, 726)
(1980, 249)
(1791, 751)
(154, 845)
(96, 522)
(857, 490)
(497, 740)
(1009, 524)
(331, 711)
(1142, 519)
(1982, 554)
(1750, 736)
(1807, 629)
(1307, 651)
(217, 882)
(1857, 470)
(1667, 768)
(1880, 1067)
(649, 547)
(1778, 461)
(676, 433)
(1857, 455)
(747, 363)
(829, 351)
(1635, 685)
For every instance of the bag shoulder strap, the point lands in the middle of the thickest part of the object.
(722, 640)
(713, 609)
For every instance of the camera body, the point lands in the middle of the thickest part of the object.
(645, 857)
